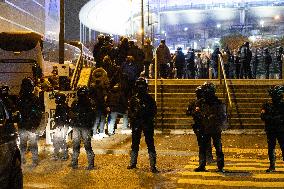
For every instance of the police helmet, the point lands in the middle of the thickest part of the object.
(83, 91)
(141, 85)
(60, 98)
(209, 88)
(199, 91)
(27, 85)
(276, 91)
(4, 90)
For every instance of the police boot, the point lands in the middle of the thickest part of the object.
(272, 162)
(65, 155)
(91, 162)
(74, 163)
(271, 167)
(152, 157)
(133, 160)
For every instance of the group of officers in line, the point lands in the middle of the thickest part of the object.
(208, 112)
(209, 115)
(27, 113)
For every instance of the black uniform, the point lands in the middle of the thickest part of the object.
(197, 125)
(30, 110)
(272, 114)
(61, 118)
(82, 121)
(142, 111)
(213, 113)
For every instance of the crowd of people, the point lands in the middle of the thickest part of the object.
(246, 62)
(242, 63)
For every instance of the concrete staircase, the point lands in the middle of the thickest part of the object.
(247, 97)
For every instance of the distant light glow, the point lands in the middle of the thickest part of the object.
(218, 25)
(261, 22)
(276, 17)
(185, 29)
(122, 17)
(105, 16)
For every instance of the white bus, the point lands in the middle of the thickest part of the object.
(28, 54)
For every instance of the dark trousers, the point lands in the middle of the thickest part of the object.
(164, 71)
(267, 68)
(85, 135)
(148, 131)
(179, 72)
(271, 141)
(238, 70)
(217, 142)
(199, 137)
(280, 69)
(245, 70)
(147, 65)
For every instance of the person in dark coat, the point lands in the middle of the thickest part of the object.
(30, 112)
(214, 62)
(245, 59)
(272, 113)
(267, 62)
(82, 114)
(142, 110)
(179, 61)
(61, 119)
(213, 114)
(255, 64)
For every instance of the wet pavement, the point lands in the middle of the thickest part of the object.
(176, 159)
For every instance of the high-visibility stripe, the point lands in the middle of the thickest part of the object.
(233, 168)
(205, 174)
(231, 183)
(240, 160)
(212, 174)
(246, 164)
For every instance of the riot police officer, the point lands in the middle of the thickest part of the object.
(30, 112)
(8, 102)
(142, 110)
(82, 121)
(192, 110)
(61, 118)
(213, 118)
(272, 113)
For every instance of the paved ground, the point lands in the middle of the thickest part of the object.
(245, 159)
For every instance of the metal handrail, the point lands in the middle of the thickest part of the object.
(156, 76)
(282, 73)
(76, 72)
(225, 79)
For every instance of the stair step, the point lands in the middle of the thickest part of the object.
(182, 126)
(247, 97)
